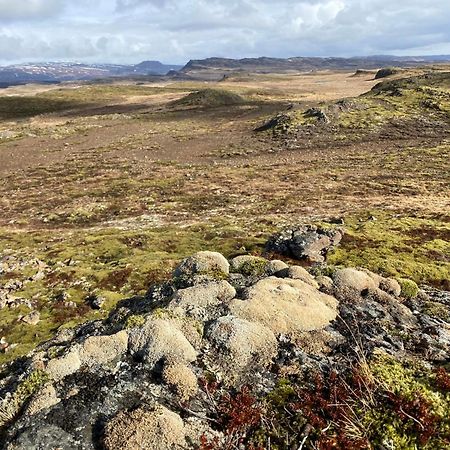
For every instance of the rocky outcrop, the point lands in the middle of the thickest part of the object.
(142, 378)
(305, 242)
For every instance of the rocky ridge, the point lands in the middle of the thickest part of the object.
(149, 375)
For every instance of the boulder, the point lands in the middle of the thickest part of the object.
(104, 350)
(390, 286)
(204, 301)
(182, 379)
(300, 273)
(145, 429)
(305, 242)
(43, 399)
(351, 284)
(59, 368)
(160, 340)
(275, 267)
(203, 263)
(241, 345)
(285, 306)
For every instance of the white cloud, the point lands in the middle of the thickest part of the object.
(29, 9)
(176, 30)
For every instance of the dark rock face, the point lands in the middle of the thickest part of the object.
(306, 242)
(137, 379)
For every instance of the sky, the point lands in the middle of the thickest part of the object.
(174, 31)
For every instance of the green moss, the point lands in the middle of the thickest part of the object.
(30, 385)
(134, 321)
(408, 381)
(253, 267)
(216, 274)
(409, 288)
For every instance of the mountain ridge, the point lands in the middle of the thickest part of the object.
(309, 63)
(55, 72)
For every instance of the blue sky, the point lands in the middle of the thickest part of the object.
(129, 31)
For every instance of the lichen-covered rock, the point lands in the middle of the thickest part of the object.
(300, 273)
(275, 267)
(46, 437)
(325, 284)
(43, 399)
(182, 379)
(104, 350)
(203, 263)
(242, 345)
(159, 340)
(285, 306)
(391, 286)
(59, 368)
(203, 301)
(32, 318)
(145, 429)
(351, 283)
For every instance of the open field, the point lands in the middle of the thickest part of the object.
(104, 187)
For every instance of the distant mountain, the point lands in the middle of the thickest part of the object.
(265, 64)
(155, 68)
(58, 72)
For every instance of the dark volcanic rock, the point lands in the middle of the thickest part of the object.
(305, 242)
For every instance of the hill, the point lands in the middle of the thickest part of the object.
(265, 64)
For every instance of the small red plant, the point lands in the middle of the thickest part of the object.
(443, 379)
(417, 412)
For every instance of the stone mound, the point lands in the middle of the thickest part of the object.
(144, 378)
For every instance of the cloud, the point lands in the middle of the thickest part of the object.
(29, 9)
(177, 30)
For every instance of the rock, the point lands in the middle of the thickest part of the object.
(285, 306)
(182, 378)
(300, 273)
(275, 267)
(160, 340)
(145, 429)
(4, 345)
(325, 284)
(390, 286)
(62, 297)
(204, 301)
(242, 345)
(203, 263)
(45, 398)
(318, 113)
(95, 301)
(249, 265)
(31, 319)
(67, 364)
(104, 350)
(305, 242)
(351, 284)
(46, 437)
